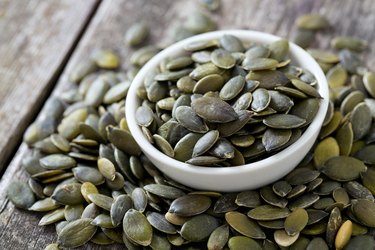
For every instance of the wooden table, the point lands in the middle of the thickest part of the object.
(41, 41)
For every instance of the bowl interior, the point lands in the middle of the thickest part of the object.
(299, 57)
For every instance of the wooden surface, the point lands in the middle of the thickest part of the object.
(18, 229)
(35, 42)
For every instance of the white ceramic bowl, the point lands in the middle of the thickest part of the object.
(229, 179)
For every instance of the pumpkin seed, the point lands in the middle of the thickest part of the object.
(343, 168)
(312, 21)
(334, 223)
(325, 150)
(231, 43)
(76, 233)
(283, 121)
(222, 59)
(214, 109)
(199, 227)
(274, 139)
(317, 243)
(260, 64)
(159, 222)
(136, 228)
(244, 225)
(268, 212)
(337, 76)
(20, 194)
(343, 235)
(101, 200)
(283, 239)
(218, 238)
(296, 221)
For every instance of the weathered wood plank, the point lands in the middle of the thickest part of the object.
(35, 40)
(19, 230)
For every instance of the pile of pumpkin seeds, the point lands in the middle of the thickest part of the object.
(90, 180)
(224, 105)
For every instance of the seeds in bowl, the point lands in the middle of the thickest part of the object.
(223, 103)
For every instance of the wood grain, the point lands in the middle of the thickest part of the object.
(32, 55)
(18, 229)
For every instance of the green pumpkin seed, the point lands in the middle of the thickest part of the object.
(248, 199)
(120, 206)
(212, 82)
(141, 233)
(343, 168)
(204, 70)
(274, 139)
(245, 226)
(159, 222)
(305, 88)
(88, 174)
(284, 121)
(344, 138)
(20, 194)
(369, 82)
(280, 102)
(90, 211)
(163, 144)
(272, 224)
(73, 212)
(317, 243)
(315, 215)
(214, 109)
(337, 76)
(232, 88)
(340, 195)
(52, 217)
(205, 160)
(164, 191)
(260, 64)
(343, 235)
(76, 233)
(69, 194)
(226, 203)
(123, 140)
(230, 128)
(352, 43)
(106, 59)
(201, 45)
(334, 223)
(283, 239)
(193, 230)
(268, 79)
(144, 54)
(44, 205)
(223, 59)
(358, 191)
(303, 201)
(189, 119)
(218, 238)
(350, 101)
(296, 221)
(331, 126)
(101, 200)
(242, 140)
(268, 212)
(304, 37)
(136, 34)
(103, 221)
(107, 168)
(261, 100)
(326, 149)
(323, 56)
(360, 242)
(306, 109)
(183, 150)
(231, 43)
(190, 205)
(281, 188)
(271, 198)
(312, 21)
(242, 242)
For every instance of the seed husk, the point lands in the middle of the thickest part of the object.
(136, 228)
(76, 233)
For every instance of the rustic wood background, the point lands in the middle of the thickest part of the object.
(41, 41)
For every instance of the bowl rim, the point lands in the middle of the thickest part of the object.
(132, 102)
